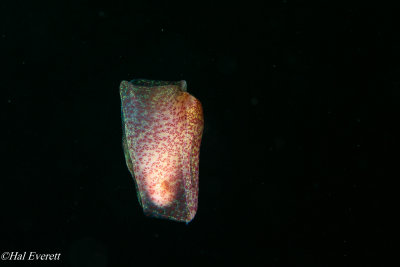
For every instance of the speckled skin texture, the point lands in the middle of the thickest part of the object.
(162, 130)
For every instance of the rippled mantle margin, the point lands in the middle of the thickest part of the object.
(162, 130)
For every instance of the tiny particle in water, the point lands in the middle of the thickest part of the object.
(254, 101)
(101, 14)
(274, 66)
(162, 30)
(9, 101)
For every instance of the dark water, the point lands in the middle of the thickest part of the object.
(299, 108)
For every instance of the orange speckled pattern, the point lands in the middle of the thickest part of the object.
(162, 130)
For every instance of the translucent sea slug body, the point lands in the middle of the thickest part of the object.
(162, 130)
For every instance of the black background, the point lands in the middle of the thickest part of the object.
(295, 103)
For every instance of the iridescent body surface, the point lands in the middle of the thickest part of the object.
(162, 130)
